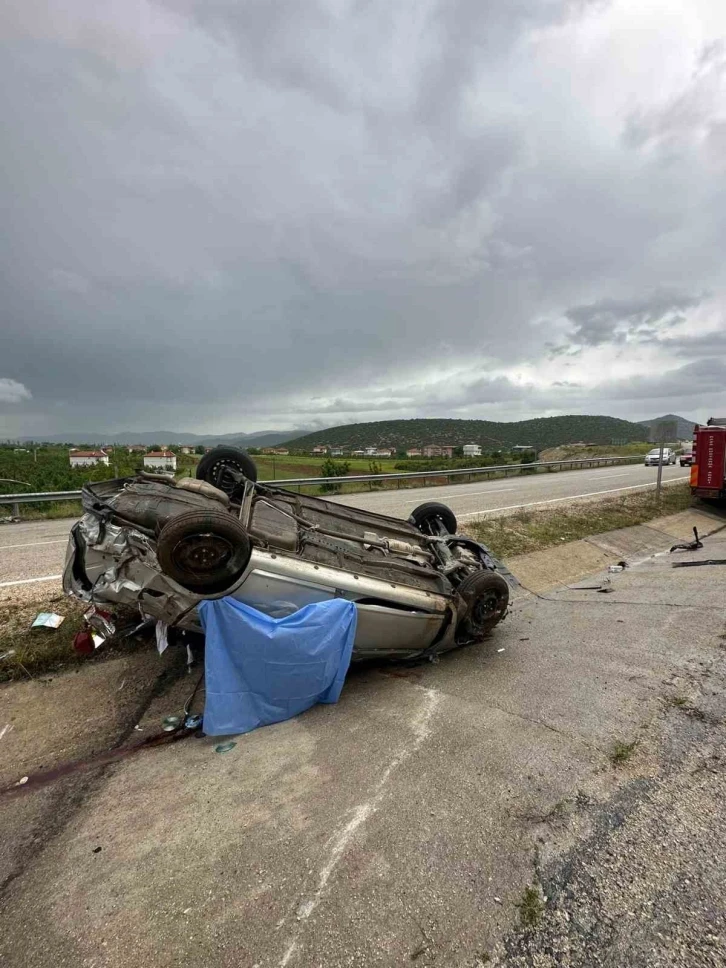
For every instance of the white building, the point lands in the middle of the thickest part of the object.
(87, 458)
(160, 460)
(472, 450)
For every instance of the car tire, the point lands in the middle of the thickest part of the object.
(424, 516)
(204, 551)
(486, 597)
(212, 466)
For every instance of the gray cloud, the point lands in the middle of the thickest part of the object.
(12, 392)
(218, 216)
(612, 320)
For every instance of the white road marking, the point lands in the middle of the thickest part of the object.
(571, 497)
(489, 490)
(29, 581)
(420, 725)
(6, 729)
(605, 477)
(33, 544)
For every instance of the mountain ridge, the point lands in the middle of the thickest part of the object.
(260, 438)
(684, 425)
(540, 432)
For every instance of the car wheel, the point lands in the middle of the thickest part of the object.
(425, 517)
(204, 551)
(213, 466)
(486, 596)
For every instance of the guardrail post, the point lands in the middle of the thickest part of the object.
(16, 510)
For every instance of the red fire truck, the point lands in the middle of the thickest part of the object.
(708, 471)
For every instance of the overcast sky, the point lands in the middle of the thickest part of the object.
(223, 215)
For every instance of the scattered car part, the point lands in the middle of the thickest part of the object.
(47, 620)
(689, 545)
(699, 564)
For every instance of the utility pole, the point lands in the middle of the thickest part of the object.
(659, 480)
(665, 430)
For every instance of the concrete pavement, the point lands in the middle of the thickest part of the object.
(35, 549)
(404, 824)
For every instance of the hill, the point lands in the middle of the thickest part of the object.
(685, 426)
(539, 433)
(261, 438)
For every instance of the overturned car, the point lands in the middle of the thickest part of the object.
(163, 545)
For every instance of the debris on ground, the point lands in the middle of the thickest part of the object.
(689, 545)
(699, 564)
(47, 620)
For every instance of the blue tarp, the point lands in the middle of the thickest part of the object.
(262, 670)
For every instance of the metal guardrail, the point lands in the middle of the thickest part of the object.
(17, 499)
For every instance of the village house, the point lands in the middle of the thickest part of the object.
(87, 458)
(472, 450)
(320, 449)
(438, 450)
(187, 450)
(384, 452)
(160, 460)
(136, 449)
(413, 452)
(278, 451)
(337, 451)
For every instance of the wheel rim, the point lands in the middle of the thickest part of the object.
(203, 554)
(220, 477)
(485, 607)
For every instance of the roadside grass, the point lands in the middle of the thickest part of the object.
(570, 452)
(530, 907)
(51, 510)
(41, 651)
(622, 751)
(534, 529)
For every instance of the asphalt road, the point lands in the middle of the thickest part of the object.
(35, 550)
(506, 494)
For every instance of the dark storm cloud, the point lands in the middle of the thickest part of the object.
(219, 214)
(699, 379)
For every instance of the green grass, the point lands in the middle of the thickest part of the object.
(569, 452)
(533, 530)
(42, 512)
(530, 907)
(37, 652)
(622, 751)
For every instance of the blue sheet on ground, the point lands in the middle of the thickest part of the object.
(262, 670)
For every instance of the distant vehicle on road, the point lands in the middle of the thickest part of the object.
(652, 458)
(686, 460)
